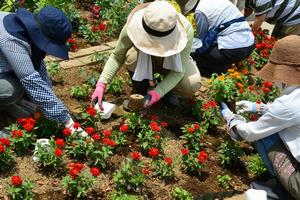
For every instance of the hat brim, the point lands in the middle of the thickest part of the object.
(39, 38)
(165, 46)
(284, 73)
(189, 6)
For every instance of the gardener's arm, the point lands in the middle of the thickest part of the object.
(277, 118)
(117, 58)
(258, 22)
(261, 8)
(202, 24)
(173, 78)
(37, 88)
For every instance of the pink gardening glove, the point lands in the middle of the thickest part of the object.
(98, 93)
(155, 97)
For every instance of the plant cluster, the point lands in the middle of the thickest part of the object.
(6, 154)
(229, 153)
(164, 168)
(256, 166)
(193, 135)
(19, 189)
(193, 161)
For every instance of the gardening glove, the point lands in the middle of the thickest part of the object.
(98, 93)
(151, 98)
(245, 106)
(70, 124)
(226, 112)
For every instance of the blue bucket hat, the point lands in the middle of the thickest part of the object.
(49, 29)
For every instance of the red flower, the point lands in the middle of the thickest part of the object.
(96, 136)
(91, 111)
(102, 26)
(190, 130)
(21, 120)
(196, 126)
(202, 156)
(154, 117)
(58, 152)
(94, 28)
(17, 133)
(76, 125)
(2, 148)
(168, 161)
(245, 71)
(89, 130)
(30, 120)
(60, 142)
(241, 90)
(146, 171)
(109, 142)
(164, 124)
(251, 87)
(185, 151)
(135, 155)
(5, 141)
(106, 133)
(74, 173)
(265, 90)
(154, 126)
(78, 166)
(124, 128)
(258, 46)
(71, 40)
(239, 85)
(95, 171)
(16, 180)
(192, 101)
(67, 132)
(28, 126)
(153, 152)
(267, 84)
(157, 137)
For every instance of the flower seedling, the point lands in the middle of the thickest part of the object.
(19, 189)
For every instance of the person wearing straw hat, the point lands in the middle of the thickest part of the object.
(223, 36)
(285, 15)
(25, 39)
(155, 39)
(276, 134)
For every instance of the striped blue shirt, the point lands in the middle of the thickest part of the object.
(15, 58)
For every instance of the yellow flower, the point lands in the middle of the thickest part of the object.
(230, 70)
(221, 78)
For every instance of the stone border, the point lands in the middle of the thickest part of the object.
(82, 56)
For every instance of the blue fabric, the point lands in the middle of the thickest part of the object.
(212, 34)
(262, 146)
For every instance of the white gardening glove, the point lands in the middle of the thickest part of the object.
(226, 112)
(70, 124)
(245, 106)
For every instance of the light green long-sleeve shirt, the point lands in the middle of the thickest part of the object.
(117, 59)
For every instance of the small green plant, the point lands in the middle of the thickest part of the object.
(123, 196)
(53, 68)
(80, 180)
(181, 194)
(130, 177)
(100, 57)
(229, 153)
(115, 86)
(90, 33)
(19, 189)
(224, 181)
(193, 162)
(164, 168)
(81, 91)
(211, 113)
(193, 134)
(256, 166)
(6, 155)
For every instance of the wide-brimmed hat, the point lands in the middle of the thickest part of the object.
(156, 29)
(187, 5)
(284, 63)
(49, 29)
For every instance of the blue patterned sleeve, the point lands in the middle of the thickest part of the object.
(35, 84)
(44, 74)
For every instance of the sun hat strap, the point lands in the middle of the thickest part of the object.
(35, 16)
(297, 65)
(154, 32)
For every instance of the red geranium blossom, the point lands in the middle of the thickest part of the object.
(266, 90)
(74, 173)
(267, 84)
(16, 180)
(146, 171)
(196, 125)
(106, 133)
(5, 141)
(58, 152)
(17, 133)
(202, 156)
(95, 171)
(76, 125)
(96, 136)
(124, 128)
(89, 130)
(154, 117)
(153, 152)
(91, 111)
(135, 155)
(102, 26)
(60, 142)
(109, 142)
(190, 130)
(184, 151)
(154, 126)
(164, 124)
(28, 126)
(67, 132)
(157, 137)
(168, 161)
(2, 148)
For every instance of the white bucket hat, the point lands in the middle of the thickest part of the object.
(156, 29)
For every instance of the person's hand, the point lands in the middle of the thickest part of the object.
(98, 93)
(226, 112)
(245, 106)
(248, 12)
(152, 98)
(70, 124)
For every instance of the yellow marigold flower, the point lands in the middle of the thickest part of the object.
(221, 78)
(230, 70)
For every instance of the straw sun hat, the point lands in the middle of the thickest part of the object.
(156, 29)
(284, 63)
